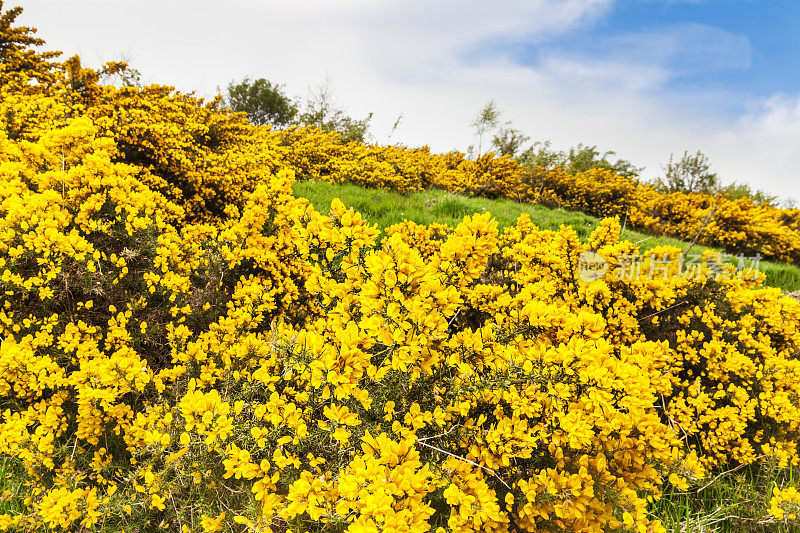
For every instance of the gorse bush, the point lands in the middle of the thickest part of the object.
(741, 226)
(187, 346)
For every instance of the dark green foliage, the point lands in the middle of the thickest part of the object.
(263, 101)
(692, 173)
(582, 158)
(734, 191)
(509, 141)
(579, 158)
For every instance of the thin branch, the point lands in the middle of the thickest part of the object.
(732, 470)
(466, 461)
(663, 310)
(439, 435)
(177, 514)
(697, 236)
(450, 322)
(672, 421)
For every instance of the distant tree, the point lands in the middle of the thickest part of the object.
(486, 121)
(351, 129)
(509, 140)
(692, 173)
(734, 191)
(541, 154)
(263, 101)
(579, 158)
(321, 112)
(582, 158)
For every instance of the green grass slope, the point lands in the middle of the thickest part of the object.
(385, 208)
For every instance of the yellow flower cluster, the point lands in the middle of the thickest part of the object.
(785, 504)
(185, 345)
(741, 226)
(206, 160)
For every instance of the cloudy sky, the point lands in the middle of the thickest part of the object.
(645, 78)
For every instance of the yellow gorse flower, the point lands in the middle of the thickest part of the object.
(186, 342)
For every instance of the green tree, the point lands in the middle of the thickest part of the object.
(263, 101)
(579, 158)
(734, 191)
(582, 158)
(542, 155)
(692, 173)
(320, 111)
(509, 140)
(486, 121)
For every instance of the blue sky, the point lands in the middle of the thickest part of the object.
(770, 29)
(645, 78)
(739, 50)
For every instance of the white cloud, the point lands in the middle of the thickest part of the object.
(647, 60)
(762, 146)
(685, 48)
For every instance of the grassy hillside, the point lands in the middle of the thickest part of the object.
(385, 208)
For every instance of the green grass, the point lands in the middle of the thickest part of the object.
(10, 476)
(385, 208)
(736, 501)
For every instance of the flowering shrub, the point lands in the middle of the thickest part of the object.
(598, 191)
(188, 346)
(785, 504)
(206, 161)
(740, 226)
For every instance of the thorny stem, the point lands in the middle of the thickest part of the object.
(663, 310)
(466, 461)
